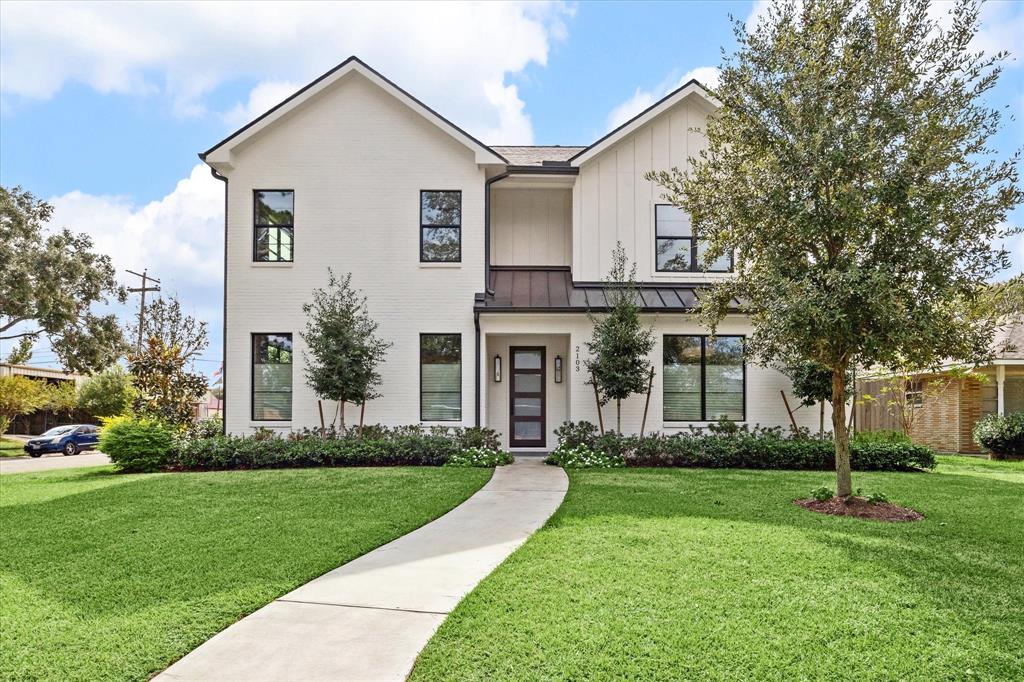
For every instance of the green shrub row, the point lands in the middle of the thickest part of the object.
(731, 446)
(146, 445)
(1002, 436)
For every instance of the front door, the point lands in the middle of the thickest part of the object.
(526, 402)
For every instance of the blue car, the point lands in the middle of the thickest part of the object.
(70, 440)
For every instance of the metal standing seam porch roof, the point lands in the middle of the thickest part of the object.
(551, 289)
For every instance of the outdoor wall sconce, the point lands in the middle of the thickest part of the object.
(497, 369)
(558, 369)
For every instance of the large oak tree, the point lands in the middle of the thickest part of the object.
(849, 169)
(48, 283)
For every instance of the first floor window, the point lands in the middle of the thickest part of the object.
(915, 393)
(703, 378)
(676, 248)
(271, 377)
(440, 226)
(441, 377)
(273, 225)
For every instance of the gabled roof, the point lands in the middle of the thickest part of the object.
(221, 152)
(535, 155)
(692, 87)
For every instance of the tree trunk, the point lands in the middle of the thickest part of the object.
(844, 484)
(821, 419)
(362, 413)
(647, 403)
(597, 399)
(618, 415)
(341, 413)
(323, 427)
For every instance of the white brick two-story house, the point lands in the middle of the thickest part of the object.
(479, 263)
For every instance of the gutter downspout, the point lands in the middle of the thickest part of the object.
(487, 230)
(224, 318)
(487, 282)
(476, 324)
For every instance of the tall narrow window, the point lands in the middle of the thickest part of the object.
(676, 248)
(273, 225)
(440, 226)
(703, 378)
(441, 377)
(271, 377)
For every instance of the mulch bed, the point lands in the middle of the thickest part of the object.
(861, 508)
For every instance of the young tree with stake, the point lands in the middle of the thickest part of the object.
(848, 168)
(343, 348)
(620, 344)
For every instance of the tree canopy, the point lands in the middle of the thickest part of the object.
(848, 167)
(48, 284)
(164, 320)
(107, 394)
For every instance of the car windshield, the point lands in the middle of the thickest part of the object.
(59, 431)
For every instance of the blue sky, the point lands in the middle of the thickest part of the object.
(104, 107)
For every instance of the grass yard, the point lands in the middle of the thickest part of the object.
(9, 447)
(714, 574)
(106, 576)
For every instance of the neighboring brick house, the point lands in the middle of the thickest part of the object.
(479, 262)
(948, 408)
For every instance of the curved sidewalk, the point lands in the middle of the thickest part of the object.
(369, 619)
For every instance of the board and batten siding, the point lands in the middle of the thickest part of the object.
(613, 202)
(356, 160)
(531, 226)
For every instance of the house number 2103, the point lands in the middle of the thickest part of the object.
(577, 358)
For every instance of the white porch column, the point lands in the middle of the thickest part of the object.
(1000, 392)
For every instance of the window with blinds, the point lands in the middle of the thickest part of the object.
(703, 378)
(271, 377)
(441, 377)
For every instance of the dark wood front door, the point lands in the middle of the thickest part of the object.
(526, 401)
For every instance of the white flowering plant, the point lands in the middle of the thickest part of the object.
(479, 457)
(582, 457)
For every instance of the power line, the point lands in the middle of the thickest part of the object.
(142, 300)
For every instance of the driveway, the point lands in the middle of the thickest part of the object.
(18, 465)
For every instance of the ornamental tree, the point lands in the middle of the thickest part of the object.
(48, 284)
(165, 390)
(343, 348)
(848, 168)
(19, 395)
(107, 394)
(164, 320)
(619, 345)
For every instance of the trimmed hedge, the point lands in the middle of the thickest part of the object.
(378, 446)
(732, 446)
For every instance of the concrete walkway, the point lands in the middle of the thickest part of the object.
(19, 465)
(369, 619)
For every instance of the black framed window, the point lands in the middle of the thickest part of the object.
(440, 226)
(271, 377)
(441, 377)
(914, 394)
(676, 247)
(704, 378)
(273, 225)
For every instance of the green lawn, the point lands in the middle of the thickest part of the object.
(10, 447)
(714, 574)
(106, 576)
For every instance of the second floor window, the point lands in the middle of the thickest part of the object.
(440, 226)
(273, 225)
(676, 248)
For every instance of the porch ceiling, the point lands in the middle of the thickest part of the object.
(551, 289)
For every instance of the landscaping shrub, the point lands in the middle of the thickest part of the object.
(822, 493)
(1002, 436)
(479, 457)
(378, 446)
(582, 457)
(136, 444)
(738, 447)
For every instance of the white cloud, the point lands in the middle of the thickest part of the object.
(183, 51)
(641, 99)
(262, 98)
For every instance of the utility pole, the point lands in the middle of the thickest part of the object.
(142, 301)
